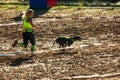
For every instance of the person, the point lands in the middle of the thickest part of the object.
(28, 30)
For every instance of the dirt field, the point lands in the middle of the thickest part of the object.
(95, 58)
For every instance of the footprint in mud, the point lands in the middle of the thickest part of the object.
(19, 61)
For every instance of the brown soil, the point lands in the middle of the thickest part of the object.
(98, 54)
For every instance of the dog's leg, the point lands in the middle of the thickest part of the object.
(65, 45)
(59, 46)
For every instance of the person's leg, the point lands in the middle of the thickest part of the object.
(25, 40)
(32, 41)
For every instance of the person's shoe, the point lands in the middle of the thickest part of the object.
(32, 48)
(32, 51)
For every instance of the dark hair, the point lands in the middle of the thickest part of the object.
(29, 11)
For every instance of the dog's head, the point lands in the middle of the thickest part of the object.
(77, 38)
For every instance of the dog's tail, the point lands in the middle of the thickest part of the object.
(53, 43)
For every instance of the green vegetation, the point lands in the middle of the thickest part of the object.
(10, 7)
(62, 4)
(13, 6)
(89, 3)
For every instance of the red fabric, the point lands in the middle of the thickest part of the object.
(51, 3)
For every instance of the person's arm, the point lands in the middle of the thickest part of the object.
(31, 22)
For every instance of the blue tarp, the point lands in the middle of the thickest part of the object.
(38, 3)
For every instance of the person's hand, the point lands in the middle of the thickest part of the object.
(35, 26)
(38, 26)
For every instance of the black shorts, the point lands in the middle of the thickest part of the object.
(28, 36)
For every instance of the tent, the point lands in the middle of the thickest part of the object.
(42, 3)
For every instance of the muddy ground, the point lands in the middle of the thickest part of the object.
(98, 54)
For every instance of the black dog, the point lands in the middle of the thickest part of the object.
(64, 41)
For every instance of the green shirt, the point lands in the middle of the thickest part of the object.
(27, 25)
